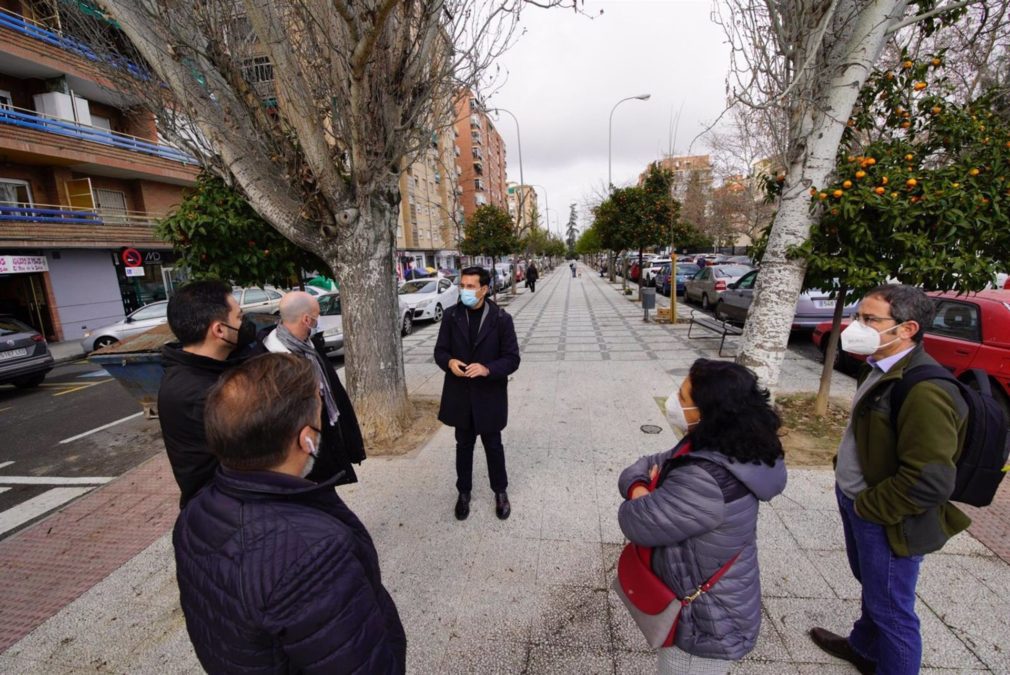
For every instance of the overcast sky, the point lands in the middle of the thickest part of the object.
(567, 72)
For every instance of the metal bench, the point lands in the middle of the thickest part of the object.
(721, 328)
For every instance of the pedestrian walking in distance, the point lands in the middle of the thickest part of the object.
(208, 322)
(276, 574)
(531, 277)
(893, 481)
(696, 508)
(571, 265)
(298, 334)
(477, 348)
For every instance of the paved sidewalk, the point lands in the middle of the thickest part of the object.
(531, 594)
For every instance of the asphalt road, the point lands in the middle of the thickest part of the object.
(42, 465)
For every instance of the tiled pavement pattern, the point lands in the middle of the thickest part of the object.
(530, 595)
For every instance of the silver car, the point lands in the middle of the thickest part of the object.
(814, 306)
(708, 285)
(252, 299)
(136, 322)
(331, 323)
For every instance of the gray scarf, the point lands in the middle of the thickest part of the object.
(306, 349)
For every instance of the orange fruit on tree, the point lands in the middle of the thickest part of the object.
(847, 184)
(893, 195)
(907, 64)
(837, 194)
(823, 195)
(955, 185)
(911, 182)
(889, 75)
(883, 180)
(880, 190)
(870, 161)
(909, 157)
(919, 86)
(973, 172)
(860, 174)
(906, 124)
(935, 110)
(936, 62)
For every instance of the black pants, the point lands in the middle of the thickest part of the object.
(493, 449)
(532, 283)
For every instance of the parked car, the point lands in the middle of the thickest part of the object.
(138, 321)
(708, 285)
(406, 319)
(740, 260)
(685, 270)
(501, 276)
(24, 355)
(653, 269)
(429, 298)
(255, 299)
(331, 323)
(968, 331)
(813, 307)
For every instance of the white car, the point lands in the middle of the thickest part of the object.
(652, 268)
(331, 323)
(428, 298)
(263, 300)
(145, 318)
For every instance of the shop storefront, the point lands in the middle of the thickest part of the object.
(23, 284)
(145, 276)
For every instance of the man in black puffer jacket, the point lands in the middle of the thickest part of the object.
(276, 574)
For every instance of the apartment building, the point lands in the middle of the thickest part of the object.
(522, 205)
(427, 233)
(83, 178)
(482, 156)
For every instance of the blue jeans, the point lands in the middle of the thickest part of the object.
(887, 632)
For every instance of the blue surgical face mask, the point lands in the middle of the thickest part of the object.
(468, 297)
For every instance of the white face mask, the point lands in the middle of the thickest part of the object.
(313, 454)
(859, 338)
(675, 415)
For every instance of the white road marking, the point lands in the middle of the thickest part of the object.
(38, 506)
(3, 464)
(93, 481)
(2, 490)
(104, 426)
(104, 373)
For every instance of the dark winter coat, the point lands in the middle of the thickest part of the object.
(183, 391)
(480, 402)
(341, 443)
(694, 532)
(277, 575)
(532, 274)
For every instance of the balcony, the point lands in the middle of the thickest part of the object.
(478, 166)
(40, 225)
(29, 119)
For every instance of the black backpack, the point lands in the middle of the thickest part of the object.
(987, 443)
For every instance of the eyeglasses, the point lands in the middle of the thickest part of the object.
(870, 320)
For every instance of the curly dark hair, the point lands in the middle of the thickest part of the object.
(737, 418)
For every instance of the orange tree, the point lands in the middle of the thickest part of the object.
(216, 233)
(921, 191)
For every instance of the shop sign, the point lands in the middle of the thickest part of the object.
(23, 264)
(134, 271)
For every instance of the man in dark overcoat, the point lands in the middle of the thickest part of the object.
(477, 348)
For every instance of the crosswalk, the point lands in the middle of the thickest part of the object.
(61, 490)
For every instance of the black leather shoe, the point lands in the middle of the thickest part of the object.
(838, 646)
(502, 508)
(463, 506)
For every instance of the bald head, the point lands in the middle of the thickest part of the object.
(299, 312)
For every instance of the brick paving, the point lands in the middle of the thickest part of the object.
(50, 564)
(991, 525)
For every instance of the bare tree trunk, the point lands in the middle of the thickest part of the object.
(370, 307)
(824, 390)
(610, 266)
(816, 136)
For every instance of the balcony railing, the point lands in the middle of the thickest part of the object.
(29, 119)
(63, 215)
(56, 38)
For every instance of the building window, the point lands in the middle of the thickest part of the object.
(6, 100)
(413, 214)
(16, 192)
(478, 184)
(258, 69)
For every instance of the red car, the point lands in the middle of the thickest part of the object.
(968, 331)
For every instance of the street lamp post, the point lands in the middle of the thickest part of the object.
(522, 191)
(610, 135)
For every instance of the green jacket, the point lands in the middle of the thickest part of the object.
(910, 471)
